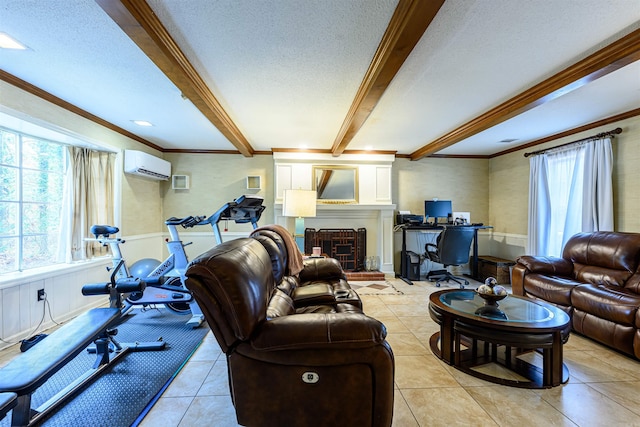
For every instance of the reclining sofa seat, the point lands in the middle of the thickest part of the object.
(325, 368)
(321, 280)
(597, 282)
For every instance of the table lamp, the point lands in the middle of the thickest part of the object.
(299, 204)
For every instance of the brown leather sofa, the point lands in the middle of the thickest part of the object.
(597, 281)
(321, 280)
(290, 363)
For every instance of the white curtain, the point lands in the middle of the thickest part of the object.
(570, 191)
(539, 206)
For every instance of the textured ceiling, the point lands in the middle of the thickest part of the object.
(286, 72)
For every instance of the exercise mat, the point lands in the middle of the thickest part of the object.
(120, 394)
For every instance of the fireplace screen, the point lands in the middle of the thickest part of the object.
(346, 245)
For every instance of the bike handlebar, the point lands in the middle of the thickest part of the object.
(186, 222)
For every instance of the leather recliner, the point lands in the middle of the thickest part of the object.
(597, 282)
(324, 365)
(321, 280)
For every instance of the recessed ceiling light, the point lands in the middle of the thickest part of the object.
(368, 148)
(508, 140)
(8, 42)
(142, 123)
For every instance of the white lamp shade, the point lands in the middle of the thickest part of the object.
(299, 203)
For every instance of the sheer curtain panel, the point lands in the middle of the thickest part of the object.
(570, 191)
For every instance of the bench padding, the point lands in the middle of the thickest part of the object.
(7, 402)
(30, 370)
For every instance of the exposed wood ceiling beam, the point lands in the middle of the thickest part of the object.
(34, 90)
(138, 21)
(611, 58)
(407, 25)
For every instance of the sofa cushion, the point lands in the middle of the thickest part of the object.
(607, 302)
(553, 289)
(546, 265)
(316, 293)
(595, 275)
(288, 284)
(633, 284)
(280, 304)
(321, 268)
(606, 251)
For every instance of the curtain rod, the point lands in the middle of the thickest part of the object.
(600, 135)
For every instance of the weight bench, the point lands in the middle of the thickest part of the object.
(31, 369)
(7, 402)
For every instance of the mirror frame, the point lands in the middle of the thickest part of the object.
(317, 174)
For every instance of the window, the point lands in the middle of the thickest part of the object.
(32, 176)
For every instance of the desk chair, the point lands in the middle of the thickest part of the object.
(452, 248)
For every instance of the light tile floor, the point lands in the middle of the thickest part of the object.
(603, 389)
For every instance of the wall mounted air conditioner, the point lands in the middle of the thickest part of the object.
(143, 164)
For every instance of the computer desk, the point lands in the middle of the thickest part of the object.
(474, 246)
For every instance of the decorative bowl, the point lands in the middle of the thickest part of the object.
(491, 299)
(488, 289)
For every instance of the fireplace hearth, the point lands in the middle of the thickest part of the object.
(347, 245)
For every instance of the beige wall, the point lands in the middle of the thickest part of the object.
(141, 209)
(216, 179)
(141, 214)
(463, 181)
(509, 181)
(495, 191)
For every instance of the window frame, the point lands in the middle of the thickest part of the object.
(21, 234)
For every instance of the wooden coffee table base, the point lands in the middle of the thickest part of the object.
(531, 358)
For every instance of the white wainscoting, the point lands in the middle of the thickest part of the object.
(507, 245)
(21, 312)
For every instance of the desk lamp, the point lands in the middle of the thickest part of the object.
(299, 204)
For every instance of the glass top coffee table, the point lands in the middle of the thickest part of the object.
(511, 335)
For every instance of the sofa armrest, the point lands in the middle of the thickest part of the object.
(546, 265)
(321, 269)
(335, 331)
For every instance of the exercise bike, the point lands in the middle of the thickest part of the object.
(164, 284)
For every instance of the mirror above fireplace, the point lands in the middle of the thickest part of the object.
(336, 184)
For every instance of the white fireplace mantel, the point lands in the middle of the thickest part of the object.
(374, 209)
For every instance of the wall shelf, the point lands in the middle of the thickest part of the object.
(254, 182)
(180, 182)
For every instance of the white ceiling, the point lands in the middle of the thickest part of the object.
(287, 71)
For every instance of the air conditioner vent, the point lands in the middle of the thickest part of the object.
(144, 164)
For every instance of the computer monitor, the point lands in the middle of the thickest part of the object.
(437, 209)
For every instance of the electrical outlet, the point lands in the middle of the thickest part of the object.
(40, 294)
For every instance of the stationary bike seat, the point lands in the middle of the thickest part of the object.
(103, 230)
